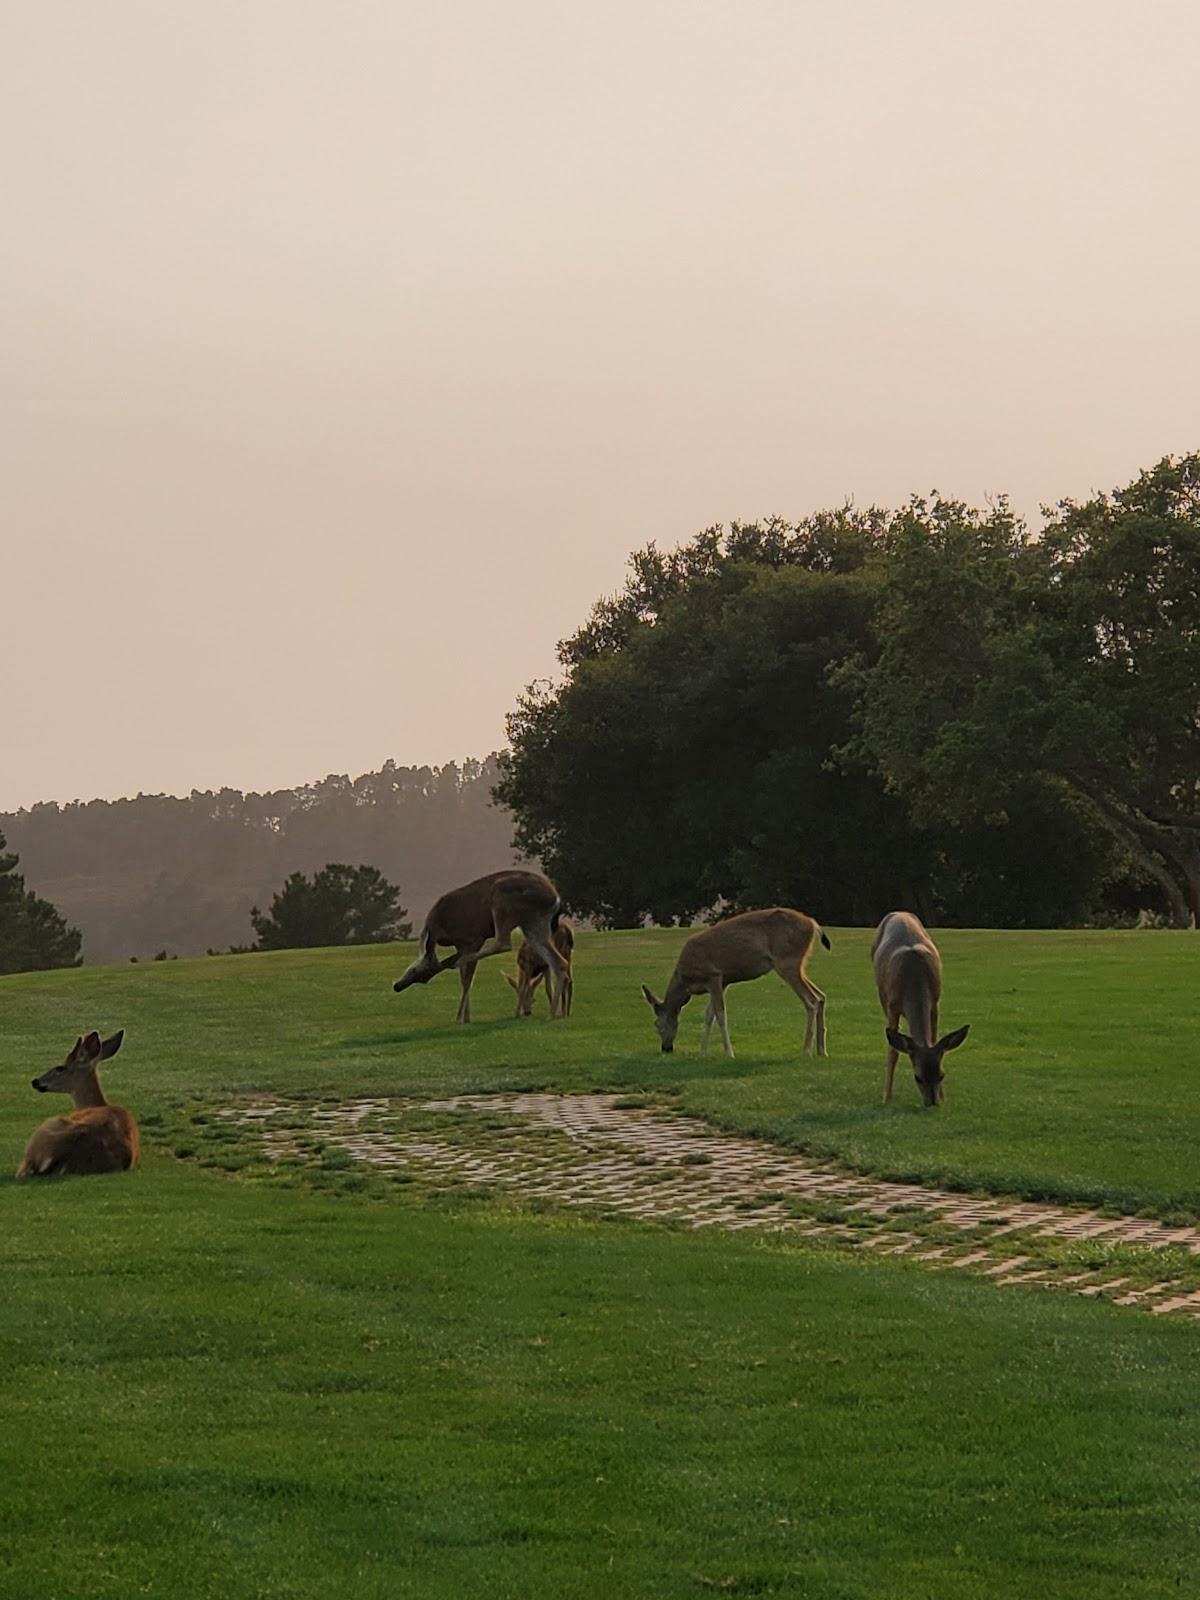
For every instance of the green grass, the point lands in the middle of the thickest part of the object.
(223, 1388)
(1078, 1081)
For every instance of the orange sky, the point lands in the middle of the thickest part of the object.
(348, 348)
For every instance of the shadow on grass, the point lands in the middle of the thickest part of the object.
(443, 1032)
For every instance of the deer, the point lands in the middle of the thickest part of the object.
(736, 951)
(96, 1136)
(478, 920)
(531, 969)
(908, 976)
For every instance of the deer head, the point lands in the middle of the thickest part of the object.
(524, 988)
(666, 1019)
(79, 1068)
(927, 1060)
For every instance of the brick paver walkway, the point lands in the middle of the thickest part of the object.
(643, 1163)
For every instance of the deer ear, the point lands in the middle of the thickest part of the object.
(953, 1040)
(899, 1041)
(655, 1005)
(509, 979)
(89, 1046)
(110, 1046)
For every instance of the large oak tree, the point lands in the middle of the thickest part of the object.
(701, 750)
(1068, 661)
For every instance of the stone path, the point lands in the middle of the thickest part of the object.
(609, 1153)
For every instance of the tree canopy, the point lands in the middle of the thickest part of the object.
(33, 935)
(929, 707)
(339, 905)
(1068, 662)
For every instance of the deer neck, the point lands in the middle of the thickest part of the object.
(918, 1013)
(918, 990)
(88, 1093)
(679, 992)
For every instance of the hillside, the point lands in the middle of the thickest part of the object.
(163, 872)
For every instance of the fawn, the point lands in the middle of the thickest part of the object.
(95, 1137)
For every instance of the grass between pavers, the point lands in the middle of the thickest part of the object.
(220, 1389)
(1078, 1081)
(293, 1145)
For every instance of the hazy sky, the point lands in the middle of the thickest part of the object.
(348, 348)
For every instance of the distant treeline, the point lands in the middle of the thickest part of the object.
(163, 873)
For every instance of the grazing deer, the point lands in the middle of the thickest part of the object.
(735, 951)
(95, 1137)
(908, 975)
(531, 969)
(478, 920)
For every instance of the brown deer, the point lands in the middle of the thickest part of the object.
(531, 969)
(95, 1137)
(908, 975)
(478, 921)
(735, 951)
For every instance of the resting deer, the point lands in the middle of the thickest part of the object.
(908, 975)
(95, 1137)
(479, 919)
(531, 969)
(735, 951)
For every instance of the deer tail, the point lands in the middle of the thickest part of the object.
(824, 937)
(556, 914)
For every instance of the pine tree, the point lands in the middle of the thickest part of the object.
(339, 905)
(33, 935)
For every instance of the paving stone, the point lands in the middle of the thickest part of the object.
(614, 1157)
(1189, 1302)
(1137, 1297)
(1005, 1266)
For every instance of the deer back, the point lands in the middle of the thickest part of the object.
(746, 946)
(98, 1139)
(468, 915)
(908, 970)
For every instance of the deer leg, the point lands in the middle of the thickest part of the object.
(466, 977)
(495, 945)
(716, 1003)
(528, 988)
(537, 936)
(893, 1055)
(813, 1001)
(710, 1016)
(822, 1037)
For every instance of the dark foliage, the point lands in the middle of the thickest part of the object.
(33, 935)
(1069, 663)
(338, 905)
(923, 708)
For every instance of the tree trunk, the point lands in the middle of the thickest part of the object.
(1156, 855)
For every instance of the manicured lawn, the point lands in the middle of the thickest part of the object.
(217, 1388)
(1080, 1080)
